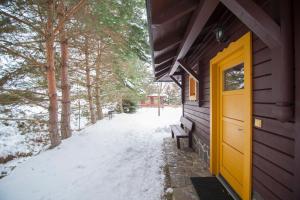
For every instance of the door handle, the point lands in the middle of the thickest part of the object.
(240, 129)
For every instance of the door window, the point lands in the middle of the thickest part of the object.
(234, 78)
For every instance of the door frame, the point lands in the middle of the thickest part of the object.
(243, 44)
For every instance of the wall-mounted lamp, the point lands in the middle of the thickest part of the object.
(220, 34)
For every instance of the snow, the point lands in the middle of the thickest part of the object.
(18, 139)
(15, 145)
(11, 142)
(169, 191)
(114, 159)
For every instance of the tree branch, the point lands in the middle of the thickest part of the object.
(17, 90)
(69, 14)
(22, 21)
(21, 119)
(11, 51)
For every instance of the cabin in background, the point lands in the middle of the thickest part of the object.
(238, 65)
(152, 101)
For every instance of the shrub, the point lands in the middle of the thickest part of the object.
(129, 106)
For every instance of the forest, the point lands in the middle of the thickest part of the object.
(64, 62)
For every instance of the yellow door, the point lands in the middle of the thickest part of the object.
(231, 115)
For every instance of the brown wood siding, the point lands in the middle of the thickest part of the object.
(274, 143)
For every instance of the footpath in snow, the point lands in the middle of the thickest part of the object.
(118, 159)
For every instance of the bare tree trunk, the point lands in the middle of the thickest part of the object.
(98, 98)
(88, 82)
(65, 84)
(52, 91)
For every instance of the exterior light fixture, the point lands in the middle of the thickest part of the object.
(220, 34)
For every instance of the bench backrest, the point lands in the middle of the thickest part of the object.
(186, 123)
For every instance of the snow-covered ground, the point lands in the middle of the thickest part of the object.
(118, 159)
(15, 147)
(21, 138)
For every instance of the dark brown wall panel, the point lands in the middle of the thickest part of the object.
(272, 155)
(263, 96)
(263, 110)
(269, 182)
(276, 127)
(273, 170)
(274, 141)
(266, 193)
(262, 69)
(262, 82)
(261, 56)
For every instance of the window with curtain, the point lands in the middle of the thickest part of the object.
(192, 89)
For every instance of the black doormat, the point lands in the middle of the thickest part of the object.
(210, 188)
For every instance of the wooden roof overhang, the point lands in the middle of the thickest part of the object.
(168, 21)
(174, 25)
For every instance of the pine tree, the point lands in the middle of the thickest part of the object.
(43, 15)
(47, 46)
(52, 91)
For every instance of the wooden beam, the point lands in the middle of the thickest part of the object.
(189, 70)
(176, 11)
(165, 57)
(163, 66)
(283, 67)
(197, 23)
(175, 81)
(253, 16)
(162, 72)
(166, 43)
(178, 73)
(160, 77)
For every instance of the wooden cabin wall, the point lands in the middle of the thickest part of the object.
(273, 144)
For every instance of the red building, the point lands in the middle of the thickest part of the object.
(152, 101)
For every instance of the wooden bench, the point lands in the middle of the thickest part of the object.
(182, 131)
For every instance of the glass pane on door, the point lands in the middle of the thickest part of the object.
(234, 78)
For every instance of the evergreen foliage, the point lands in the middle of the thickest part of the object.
(117, 47)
